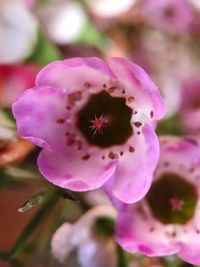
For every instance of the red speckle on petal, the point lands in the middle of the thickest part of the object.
(87, 85)
(86, 157)
(61, 121)
(111, 89)
(131, 149)
(113, 155)
(151, 114)
(137, 124)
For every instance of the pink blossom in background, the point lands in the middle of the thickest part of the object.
(92, 249)
(95, 123)
(174, 17)
(190, 103)
(167, 221)
(109, 8)
(14, 80)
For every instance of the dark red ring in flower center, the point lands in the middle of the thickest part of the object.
(105, 120)
(172, 199)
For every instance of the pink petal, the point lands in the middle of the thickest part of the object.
(138, 84)
(38, 113)
(75, 74)
(143, 235)
(190, 249)
(134, 172)
(74, 171)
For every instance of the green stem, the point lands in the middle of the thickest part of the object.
(39, 216)
(122, 260)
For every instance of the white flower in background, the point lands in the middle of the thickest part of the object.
(109, 8)
(62, 21)
(92, 249)
(18, 31)
(195, 3)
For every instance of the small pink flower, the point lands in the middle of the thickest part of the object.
(167, 221)
(92, 249)
(174, 17)
(190, 111)
(14, 80)
(95, 123)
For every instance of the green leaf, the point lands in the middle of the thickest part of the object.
(32, 226)
(170, 125)
(122, 260)
(91, 35)
(44, 51)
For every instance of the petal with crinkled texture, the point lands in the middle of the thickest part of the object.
(134, 172)
(38, 112)
(138, 84)
(72, 171)
(73, 74)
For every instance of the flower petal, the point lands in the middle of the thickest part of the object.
(74, 74)
(138, 84)
(97, 252)
(68, 236)
(73, 171)
(38, 113)
(135, 234)
(134, 172)
(190, 249)
(61, 244)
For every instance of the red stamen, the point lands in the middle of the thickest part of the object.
(98, 123)
(176, 203)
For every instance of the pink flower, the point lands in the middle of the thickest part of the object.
(167, 221)
(14, 80)
(92, 249)
(174, 17)
(95, 123)
(190, 112)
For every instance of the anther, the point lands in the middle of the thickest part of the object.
(98, 123)
(130, 99)
(176, 203)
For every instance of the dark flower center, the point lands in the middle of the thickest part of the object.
(169, 12)
(105, 120)
(196, 102)
(172, 199)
